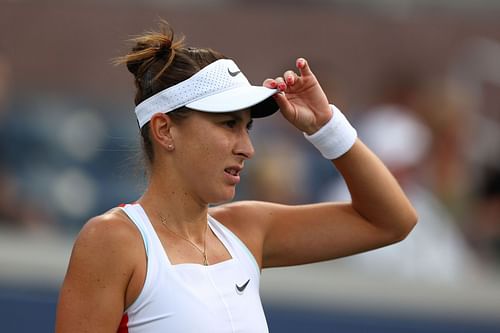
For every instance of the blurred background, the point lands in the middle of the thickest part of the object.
(419, 79)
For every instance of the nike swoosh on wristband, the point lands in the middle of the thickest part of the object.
(233, 74)
(239, 289)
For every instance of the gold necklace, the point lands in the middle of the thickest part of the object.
(204, 252)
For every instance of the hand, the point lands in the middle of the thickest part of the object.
(301, 99)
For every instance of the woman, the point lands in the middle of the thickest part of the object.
(168, 262)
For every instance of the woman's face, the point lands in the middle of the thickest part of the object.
(210, 150)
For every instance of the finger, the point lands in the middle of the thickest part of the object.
(280, 84)
(282, 101)
(270, 83)
(303, 67)
(290, 77)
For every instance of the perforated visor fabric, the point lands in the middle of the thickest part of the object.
(218, 87)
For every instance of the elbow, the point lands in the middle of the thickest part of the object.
(406, 224)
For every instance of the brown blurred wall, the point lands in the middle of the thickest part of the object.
(67, 47)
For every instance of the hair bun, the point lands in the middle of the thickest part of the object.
(159, 60)
(150, 48)
(164, 47)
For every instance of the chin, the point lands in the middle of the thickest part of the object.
(222, 197)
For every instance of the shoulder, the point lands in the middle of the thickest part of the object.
(239, 212)
(108, 238)
(112, 227)
(249, 220)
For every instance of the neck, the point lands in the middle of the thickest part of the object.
(184, 214)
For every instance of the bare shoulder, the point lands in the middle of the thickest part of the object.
(261, 216)
(108, 238)
(111, 229)
(249, 220)
(238, 213)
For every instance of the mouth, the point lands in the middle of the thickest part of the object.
(233, 174)
(233, 171)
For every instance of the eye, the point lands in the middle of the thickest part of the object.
(250, 126)
(230, 123)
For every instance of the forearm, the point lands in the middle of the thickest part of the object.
(375, 194)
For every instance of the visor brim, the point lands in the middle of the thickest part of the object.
(256, 98)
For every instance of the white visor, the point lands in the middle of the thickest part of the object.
(218, 87)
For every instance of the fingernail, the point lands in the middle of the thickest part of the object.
(281, 86)
(300, 63)
(273, 84)
(289, 80)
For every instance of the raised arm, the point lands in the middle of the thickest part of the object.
(279, 235)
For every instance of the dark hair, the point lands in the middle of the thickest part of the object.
(158, 61)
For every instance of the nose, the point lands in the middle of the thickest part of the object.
(244, 146)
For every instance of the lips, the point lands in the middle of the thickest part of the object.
(233, 173)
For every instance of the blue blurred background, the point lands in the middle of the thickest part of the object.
(419, 79)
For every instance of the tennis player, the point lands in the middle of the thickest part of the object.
(168, 262)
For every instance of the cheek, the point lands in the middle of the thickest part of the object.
(203, 147)
(204, 150)
(206, 156)
(212, 156)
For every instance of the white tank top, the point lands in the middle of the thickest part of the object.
(220, 298)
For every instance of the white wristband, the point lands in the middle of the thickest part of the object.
(336, 137)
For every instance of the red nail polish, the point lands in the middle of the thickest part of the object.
(273, 84)
(282, 86)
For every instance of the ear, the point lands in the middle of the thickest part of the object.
(160, 127)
